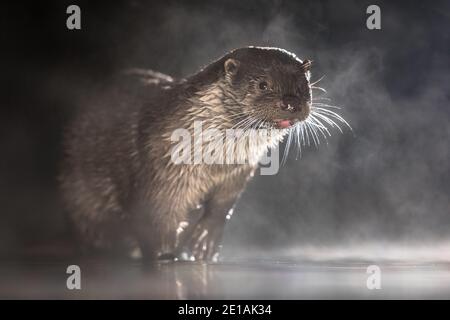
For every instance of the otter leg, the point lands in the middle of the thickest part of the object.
(204, 238)
(148, 239)
(155, 232)
(204, 242)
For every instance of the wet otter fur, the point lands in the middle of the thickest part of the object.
(120, 186)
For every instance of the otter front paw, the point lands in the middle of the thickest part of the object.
(204, 243)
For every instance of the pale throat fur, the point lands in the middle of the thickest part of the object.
(218, 108)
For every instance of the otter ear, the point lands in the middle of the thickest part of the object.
(306, 65)
(231, 66)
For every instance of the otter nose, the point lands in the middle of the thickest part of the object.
(291, 103)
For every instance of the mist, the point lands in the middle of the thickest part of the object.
(383, 184)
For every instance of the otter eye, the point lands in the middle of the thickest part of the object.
(263, 85)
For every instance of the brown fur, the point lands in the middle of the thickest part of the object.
(119, 182)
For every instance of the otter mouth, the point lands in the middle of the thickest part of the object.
(285, 123)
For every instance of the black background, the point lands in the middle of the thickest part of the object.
(385, 183)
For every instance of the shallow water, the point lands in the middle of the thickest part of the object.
(256, 279)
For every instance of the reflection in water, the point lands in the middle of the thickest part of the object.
(283, 278)
(288, 280)
(191, 282)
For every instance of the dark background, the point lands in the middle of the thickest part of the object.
(384, 184)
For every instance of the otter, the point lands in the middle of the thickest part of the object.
(122, 188)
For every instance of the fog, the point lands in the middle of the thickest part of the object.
(383, 185)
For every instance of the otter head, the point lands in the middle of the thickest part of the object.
(270, 86)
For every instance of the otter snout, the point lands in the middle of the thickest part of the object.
(295, 107)
(293, 104)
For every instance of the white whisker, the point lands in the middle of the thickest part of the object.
(320, 98)
(332, 114)
(286, 148)
(319, 88)
(331, 122)
(324, 105)
(317, 81)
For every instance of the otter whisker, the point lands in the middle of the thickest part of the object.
(306, 134)
(309, 127)
(212, 124)
(286, 148)
(257, 125)
(333, 114)
(254, 125)
(317, 81)
(249, 123)
(313, 136)
(320, 126)
(321, 98)
(319, 88)
(316, 122)
(322, 133)
(241, 122)
(262, 123)
(245, 114)
(298, 128)
(237, 115)
(315, 129)
(303, 134)
(331, 122)
(316, 125)
(324, 105)
(309, 135)
(307, 140)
